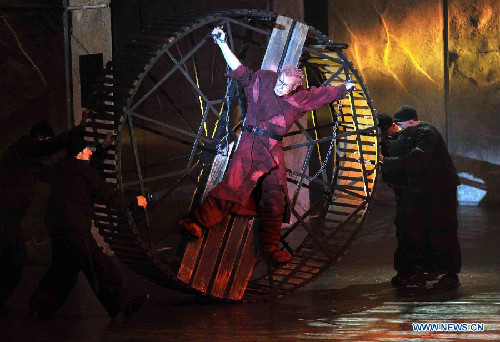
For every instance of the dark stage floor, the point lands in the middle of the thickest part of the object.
(354, 302)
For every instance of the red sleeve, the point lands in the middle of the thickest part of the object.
(244, 75)
(316, 97)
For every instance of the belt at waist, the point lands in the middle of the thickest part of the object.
(258, 130)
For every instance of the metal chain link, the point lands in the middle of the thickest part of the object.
(223, 146)
(332, 142)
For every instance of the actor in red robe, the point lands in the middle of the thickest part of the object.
(273, 105)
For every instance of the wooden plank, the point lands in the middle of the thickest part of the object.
(277, 43)
(217, 171)
(229, 257)
(189, 260)
(205, 268)
(296, 44)
(245, 265)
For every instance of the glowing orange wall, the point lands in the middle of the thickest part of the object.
(399, 48)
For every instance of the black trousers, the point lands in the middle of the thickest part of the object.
(74, 251)
(426, 230)
(12, 255)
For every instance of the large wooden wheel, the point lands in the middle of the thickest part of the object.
(167, 97)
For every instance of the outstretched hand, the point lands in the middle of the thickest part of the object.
(142, 202)
(380, 159)
(108, 140)
(350, 86)
(85, 116)
(219, 35)
(220, 38)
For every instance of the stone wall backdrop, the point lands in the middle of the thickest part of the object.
(474, 42)
(399, 48)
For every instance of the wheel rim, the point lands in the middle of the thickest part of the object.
(167, 109)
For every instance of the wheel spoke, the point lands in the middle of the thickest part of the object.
(200, 129)
(323, 55)
(305, 163)
(172, 103)
(364, 131)
(343, 189)
(358, 140)
(163, 176)
(170, 127)
(163, 194)
(170, 73)
(139, 172)
(200, 93)
(322, 246)
(253, 28)
(347, 220)
(294, 226)
(174, 138)
(313, 128)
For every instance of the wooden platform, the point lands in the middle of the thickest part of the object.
(221, 263)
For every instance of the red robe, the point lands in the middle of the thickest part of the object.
(256, 154)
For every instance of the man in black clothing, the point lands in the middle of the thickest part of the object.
(426, 213)
(391, 145)
(19, 169)
(75, 187)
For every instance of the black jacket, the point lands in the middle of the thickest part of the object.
(393, 147)
(75, 187)
(427, 163)
(19, 168)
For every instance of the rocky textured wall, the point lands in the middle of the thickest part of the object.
(475, 97)
(398, 46)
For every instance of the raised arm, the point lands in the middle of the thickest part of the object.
(316, 97)
(220, 39)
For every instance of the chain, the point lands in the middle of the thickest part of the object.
(330, 149)
(223, 146)
(334, 135)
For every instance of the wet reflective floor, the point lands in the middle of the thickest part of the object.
(354, 302)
